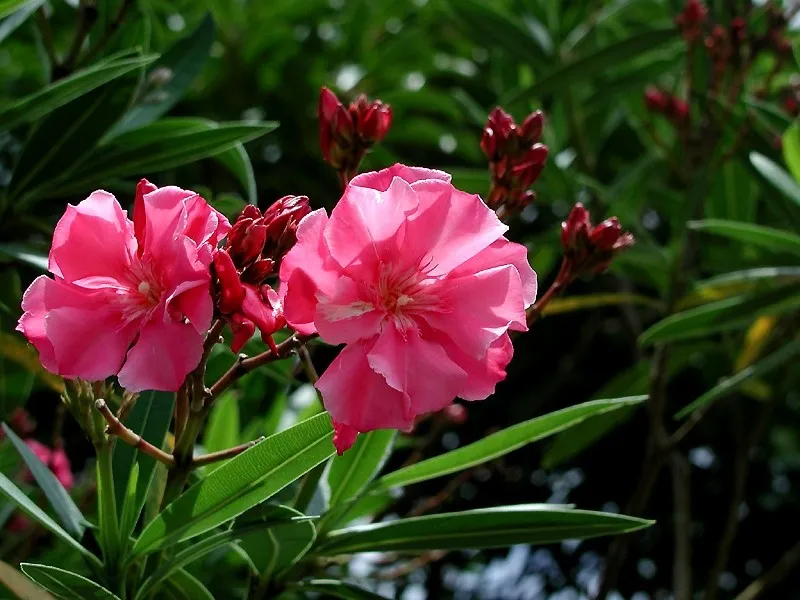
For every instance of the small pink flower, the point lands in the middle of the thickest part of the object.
(417, 279)
(54, 459)
(128, 298)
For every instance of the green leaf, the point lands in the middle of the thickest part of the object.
(21, 586)
(501, 443)
(488, 26)
(791, 149)
(351, 472)
(127, 521)
(336, 589)
(26, 505)
(63, 505)
(65, 584)
(25, 254)
(245, 481)
(64, 138)
(156, 148)
(237, 161)
(776, 176)
(150, 417)
(222, 431)
(476, 529)
(17, 18)
(730, 313)
(187, 586)
(734, 382)
(734, 193)
(281, 545)
(181, 65)
(57, 94)
(8, 7)
(596, 63)
(765, 237)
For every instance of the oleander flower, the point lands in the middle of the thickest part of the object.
(127, 298)
(416, 278)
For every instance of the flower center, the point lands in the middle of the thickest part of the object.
(144, 294)
(403, 294)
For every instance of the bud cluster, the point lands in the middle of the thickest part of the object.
(346, 133)
(666, 104)
(255, 246)
(516, 158)
(591, 248)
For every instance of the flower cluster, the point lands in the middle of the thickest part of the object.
(254, 248)
(54, 459)
(346, 133)
(416, 278)
(127, 295)
(590, 248)
(516, 158)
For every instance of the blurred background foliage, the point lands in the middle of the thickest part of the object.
(189, 93)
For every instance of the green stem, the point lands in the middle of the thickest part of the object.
(308, 487)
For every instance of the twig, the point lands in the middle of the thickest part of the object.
(412, 565)
(681, 522)
(561, 280)
(47, 36)
(435, 501)
(308, 364)
(212, 457)
(244, 365)
(112, 29)
(785, 566)
(115, 427)
(87, 16)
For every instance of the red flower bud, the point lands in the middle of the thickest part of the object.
(576, 226)
(328, 104)
(281, 220)
(655, 100)
(691, 20)
(502, 124)
(605, 235)
(246, 242)
(489, 143)
(243, 329)
(679, 109)
(456, 413)
(532, 127)
(374, 124)
(258, 271)
(231, 290)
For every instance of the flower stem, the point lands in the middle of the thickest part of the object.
(115, 427)
(212, 457)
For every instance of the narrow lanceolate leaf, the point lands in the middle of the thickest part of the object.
(8, 7)
(733, 383)
(21, 586)
(18, 17)
(180, 66)
(65, 584)
(334, 588)
(596, 63)
(501, 443)
(476, 529)
(185, 586)
(273, 548)
(237, 161)
(758, 235)
(731, 313)
(573, 303)
(791, 149)
(776, 176)
(222, 430)
(66, 510)
(150, 418)
(243, 482)
(26, 505)
(351, 472)
(57, 94)
(152, 149)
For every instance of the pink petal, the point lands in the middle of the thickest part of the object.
(204, 224)
(259, 310)
(139, 218)
(92, 239)
(347, 316)
(502, 252)
(298, 296)
(165, 353)
(364, 221)
(355, 395)
(88, 342)
(456, 228)
(344, 437)
(484, 373)
(192, 299)
(418, 368)
(165, 217)
(479, 307)
(381, 180)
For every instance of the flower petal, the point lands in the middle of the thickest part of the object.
(92, 239)
(347, 316)
(355, 395)
(479, 307)
(484, 373)
(162, 357)
(418, 368)
(381, 180)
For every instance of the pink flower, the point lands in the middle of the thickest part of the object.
(417, 279)
(54, 459)
(127, 298)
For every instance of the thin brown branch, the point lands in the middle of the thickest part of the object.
(212, 457)
(786, 566)
(308, 364)
(681, 522)
(87, 16)
(440, 498)
(561, 280)
(46, 32)
(244, 365)
(115, 427)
